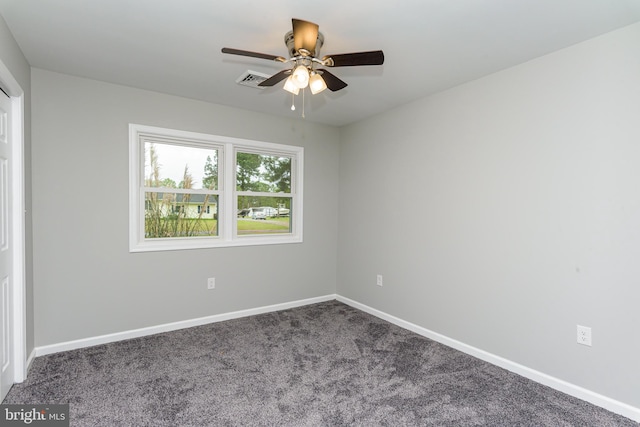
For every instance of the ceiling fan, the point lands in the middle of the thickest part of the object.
(304, 43)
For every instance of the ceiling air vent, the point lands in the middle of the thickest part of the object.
(252, 79)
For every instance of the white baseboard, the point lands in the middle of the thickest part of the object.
(30, 359)
(571, 389)
(27, 366)
(151, 330)
(540, 377)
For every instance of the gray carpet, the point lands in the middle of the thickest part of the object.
(325, 364)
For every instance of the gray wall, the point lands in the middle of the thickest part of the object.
(12, 58)
(501, 213)
(86, 281)
(504, 212)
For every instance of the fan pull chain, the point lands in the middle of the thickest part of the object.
(293, 102)
(303, 103)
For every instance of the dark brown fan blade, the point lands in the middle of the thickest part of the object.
(252, 54)
(374, 57)
(333, 83)
(305, 35)
(276, 78)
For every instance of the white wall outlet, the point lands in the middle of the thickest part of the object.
(584, 335)
(211, 283)
(379, 280)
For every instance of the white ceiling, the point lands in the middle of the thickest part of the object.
(174, 46)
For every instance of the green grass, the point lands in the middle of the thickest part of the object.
(272, 225)
(183, 227)
(204, 227)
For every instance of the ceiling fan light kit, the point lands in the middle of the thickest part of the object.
(290, 86)
(316, 83)
(300, 76)
(303, 44)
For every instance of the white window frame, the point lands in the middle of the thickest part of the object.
(227, 195)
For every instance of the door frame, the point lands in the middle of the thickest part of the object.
(18, 212)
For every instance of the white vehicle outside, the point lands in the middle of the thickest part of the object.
(262, 212)
(283, 211)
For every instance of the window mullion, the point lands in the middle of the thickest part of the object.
(178, 190)
(263, 194)
(228, 193)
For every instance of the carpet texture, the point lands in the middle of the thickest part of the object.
(325, 364)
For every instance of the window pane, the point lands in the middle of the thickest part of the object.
(264, 215)
(180, 215)
(259, 172)
(176, 166)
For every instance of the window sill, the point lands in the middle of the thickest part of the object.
(174, 244)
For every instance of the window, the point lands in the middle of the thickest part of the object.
(263, 187)
(190, 190)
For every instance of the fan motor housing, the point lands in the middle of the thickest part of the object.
(290, 43)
